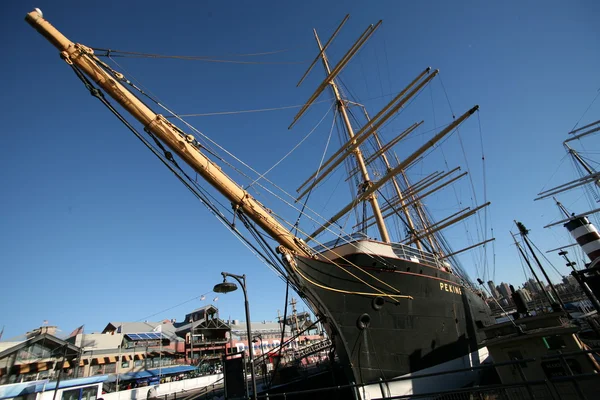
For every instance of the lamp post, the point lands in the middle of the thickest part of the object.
(262, 354)
(226, 287)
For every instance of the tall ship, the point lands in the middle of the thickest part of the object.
(581, 225)
(391, 292)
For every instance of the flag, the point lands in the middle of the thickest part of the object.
(45, 322)
(76, 332)
(158, 328)
(119, 328)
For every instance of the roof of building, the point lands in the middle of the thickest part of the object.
(258, 327)
(8, 345)
(168, 329)
(48, 340)
(99, 341)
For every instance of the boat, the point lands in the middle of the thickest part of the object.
(579, 224)
(390, 307)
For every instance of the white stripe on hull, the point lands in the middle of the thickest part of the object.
(430, 384)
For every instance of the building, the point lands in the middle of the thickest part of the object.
(533, 286)
(205, 336)
(494, 292)
(126, 347)
(266, 336)
(504, 290)
(41, 356)
(526, 295)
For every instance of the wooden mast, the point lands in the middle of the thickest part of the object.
(182, 144)
(357, 152)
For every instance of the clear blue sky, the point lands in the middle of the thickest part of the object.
(93, 229)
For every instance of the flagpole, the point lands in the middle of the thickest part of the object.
(118, 361)
(160, 358)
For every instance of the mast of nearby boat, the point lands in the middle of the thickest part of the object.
(342, 108)
(582, 134)
(524, 233)
(575, 155)
(584, 286)
(550, 302)
(186, 146)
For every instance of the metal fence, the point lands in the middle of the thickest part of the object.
(564, 386)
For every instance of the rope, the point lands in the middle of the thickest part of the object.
(265, 53)
(250, 111)
(168, 156)
(318, 169)
(132, 54)
(586, 110)
(207, 203)
(392, 296)
(294, 148)
(171, 308)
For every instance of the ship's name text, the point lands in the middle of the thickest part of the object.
(450, 288)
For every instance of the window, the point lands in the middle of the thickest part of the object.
(71, 394)
(96, 370)
(125, 364)
(138, 363)
(89, 393)
(110, 368)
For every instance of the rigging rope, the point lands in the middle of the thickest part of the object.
(318, 169)
(294, 148)
(250, 111)
(132, 54)
(586, 110)
(97, 93)
(168, 157)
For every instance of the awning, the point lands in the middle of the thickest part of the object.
(152, 373)
(98, 361)
(30, 368)
(139, 357)
(66, 364)
(125, 357)
(44, 366)
(111, 359)
(84, 362)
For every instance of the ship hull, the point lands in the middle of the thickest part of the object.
(380, 338)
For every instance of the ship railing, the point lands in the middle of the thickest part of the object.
(403, 251)
(411, 254)
(339, 241)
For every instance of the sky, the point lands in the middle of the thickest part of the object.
(94, 229)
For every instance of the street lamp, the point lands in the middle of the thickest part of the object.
(226, 287)
(255, 339)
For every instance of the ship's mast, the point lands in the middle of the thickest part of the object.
(342, 108)
(581, 162)
(184, 145)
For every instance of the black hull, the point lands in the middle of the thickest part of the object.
(439, 324)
